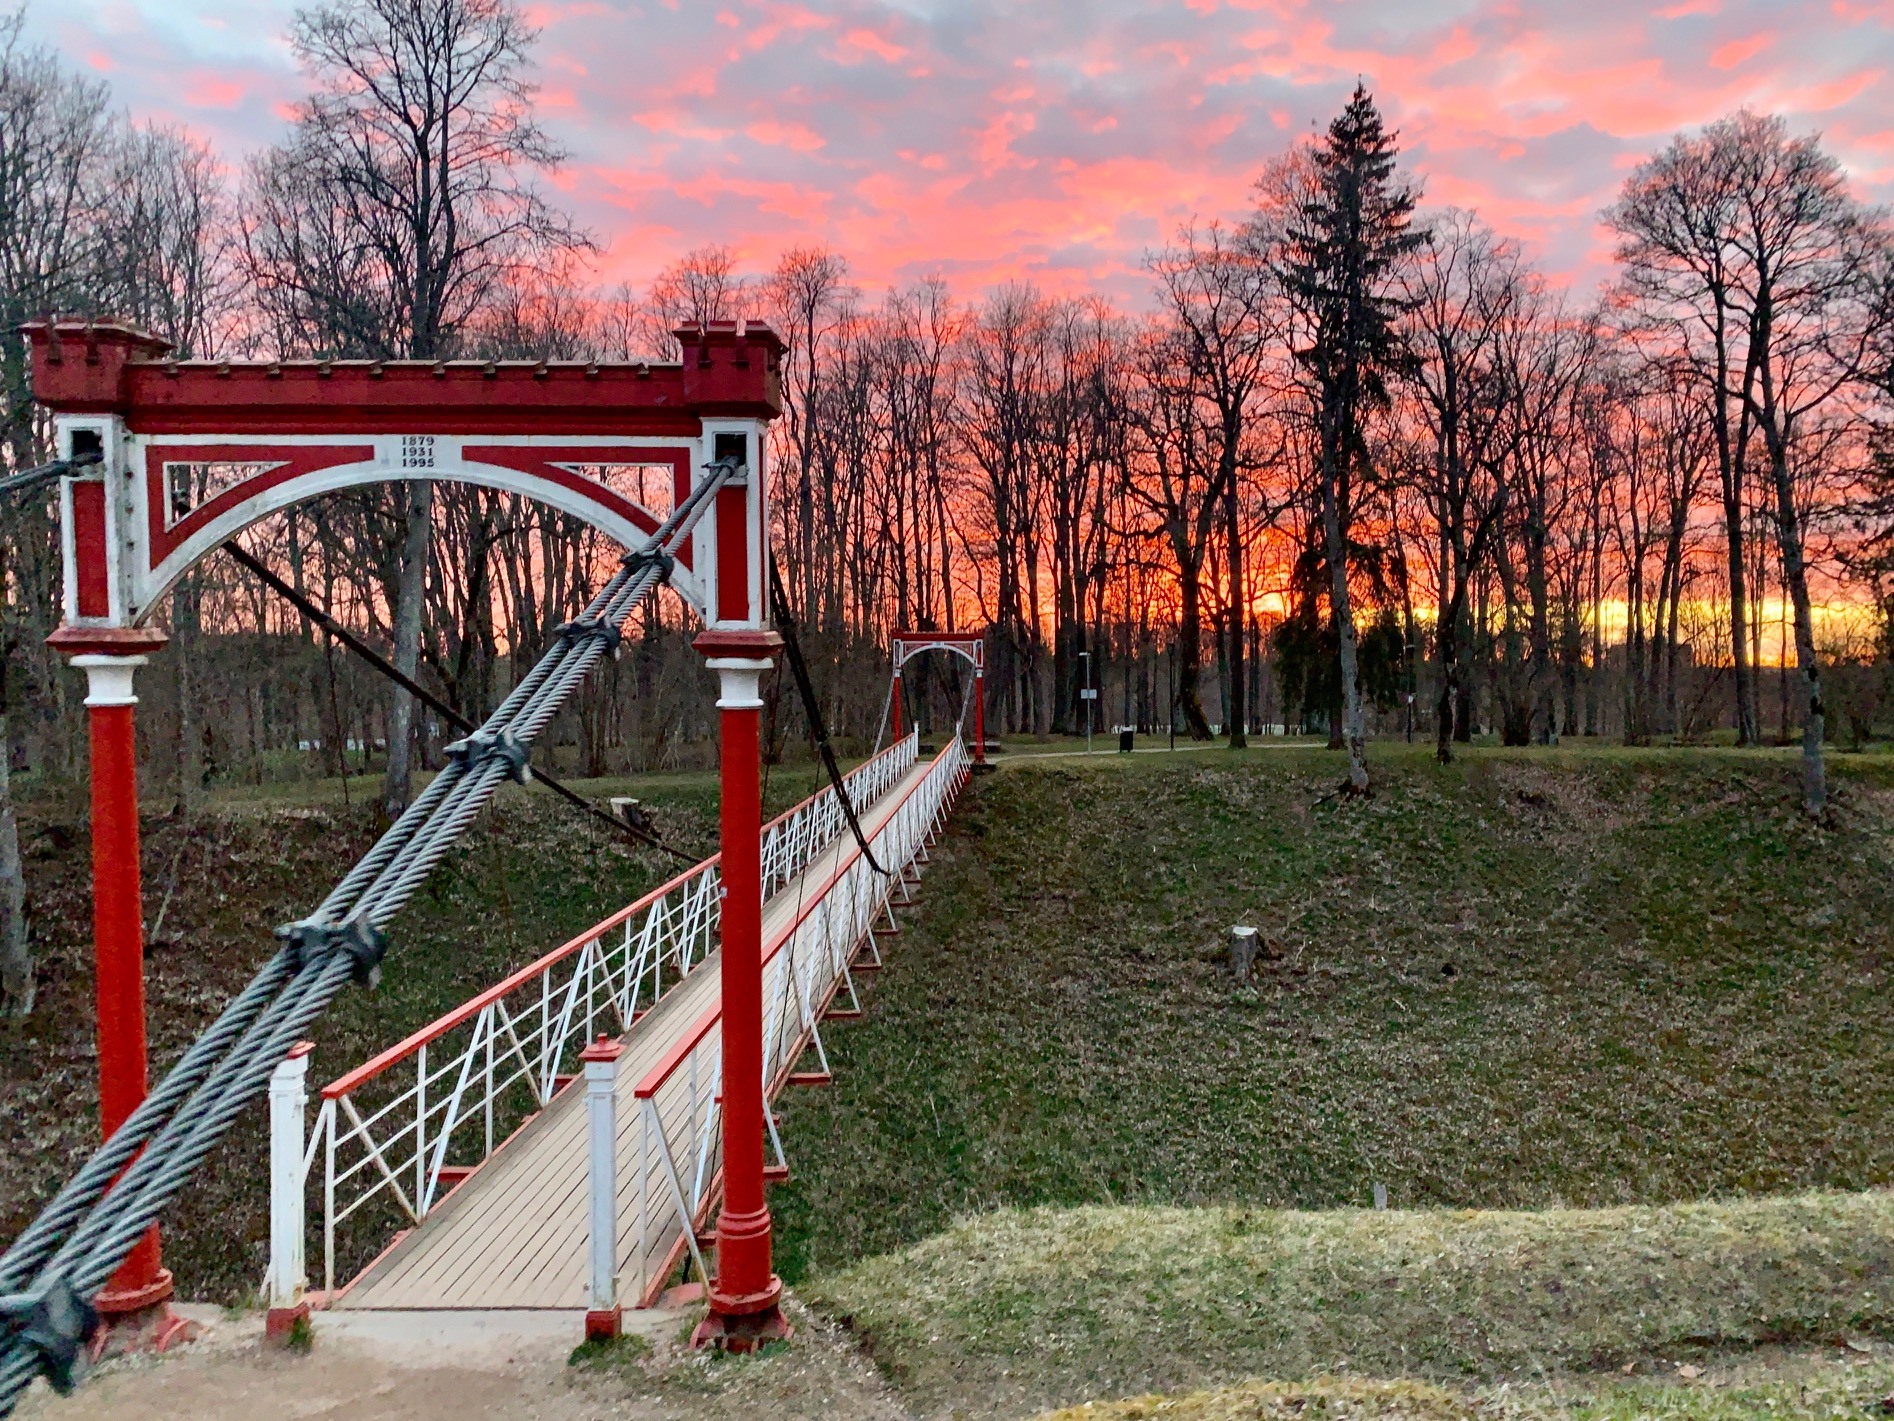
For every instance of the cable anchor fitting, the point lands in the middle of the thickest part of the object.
(640, 560)
(55, 1323)
(312, 941)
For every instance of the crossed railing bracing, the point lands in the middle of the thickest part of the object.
(407, 1125)
(50, 1273)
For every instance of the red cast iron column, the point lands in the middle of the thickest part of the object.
(745, 1295)
(110, 657)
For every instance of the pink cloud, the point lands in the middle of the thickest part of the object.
(860, 43)
(1739, 51)
(197, 89)
(785, 135)
(1059, 140)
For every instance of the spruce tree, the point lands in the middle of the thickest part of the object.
(1344, 248)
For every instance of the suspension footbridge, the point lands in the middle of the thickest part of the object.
(577, 1135)
(503, 1223)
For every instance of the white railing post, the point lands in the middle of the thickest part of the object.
(603, 1316)
(285, 1283)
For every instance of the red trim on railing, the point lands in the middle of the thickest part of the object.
(655, 1078)
(439, 1027)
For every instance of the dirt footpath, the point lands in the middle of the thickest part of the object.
(469, 1367)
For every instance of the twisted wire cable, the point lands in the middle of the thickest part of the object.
(58, 1264)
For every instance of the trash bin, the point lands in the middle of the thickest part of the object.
(1124, 742)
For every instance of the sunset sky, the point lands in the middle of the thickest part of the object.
(1060, 141)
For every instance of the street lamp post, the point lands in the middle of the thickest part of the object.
(1087, 698)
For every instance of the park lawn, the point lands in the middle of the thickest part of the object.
(1530, 981)
(1018, 1309)
(1828, 1388)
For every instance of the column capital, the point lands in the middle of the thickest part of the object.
(738, 645)
(604, 1049)
(108, 656)
(109, 679)
(600, 1060)
(76, 641)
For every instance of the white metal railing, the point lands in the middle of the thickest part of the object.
(806, 964)
(792, 839)
(405, 1126)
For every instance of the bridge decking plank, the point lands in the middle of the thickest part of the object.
(514, 1178)
(513, 1235)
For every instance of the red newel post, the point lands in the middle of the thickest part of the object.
(897, 703)
(745, 1295)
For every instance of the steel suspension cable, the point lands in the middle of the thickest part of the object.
(53, 1270)
(26, 480)
(812, 709)
(329, 627)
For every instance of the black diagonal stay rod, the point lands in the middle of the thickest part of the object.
(818, 731)
(319, 618)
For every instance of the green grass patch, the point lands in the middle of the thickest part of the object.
(1813, 1393)
(1265, 1401)
(1529, 980)
(628, 1349)
(1045, 1306)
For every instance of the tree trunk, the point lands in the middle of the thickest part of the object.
(184, 625)
(1235, 711)
(397, 787)
(1747, 731)
(1795, 574)
(1354, 730)
(1190, 654)
(16, 956)
(1453, 651)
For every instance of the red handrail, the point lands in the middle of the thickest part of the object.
(661, 1070)
(440, 1026)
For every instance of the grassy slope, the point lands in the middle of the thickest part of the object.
(1055, 1304)
(530, 876)
(1523, 981)
(1794, 1389)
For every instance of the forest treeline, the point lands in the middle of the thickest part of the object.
(1352, 465)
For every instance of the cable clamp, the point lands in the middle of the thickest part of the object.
(312, 941)
(476, 749)
(645, 558)
(598, 627)
(55, 1324)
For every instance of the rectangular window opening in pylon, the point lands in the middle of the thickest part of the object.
(189, 485)
(652, 487)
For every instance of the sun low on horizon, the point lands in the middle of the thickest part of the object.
(1059, 143)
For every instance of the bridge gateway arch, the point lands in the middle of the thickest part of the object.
(166, 460)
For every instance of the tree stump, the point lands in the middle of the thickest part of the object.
(1243, 954)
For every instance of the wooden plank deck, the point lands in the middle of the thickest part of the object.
(513, 1233)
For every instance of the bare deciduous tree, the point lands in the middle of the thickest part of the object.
(402, 202)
